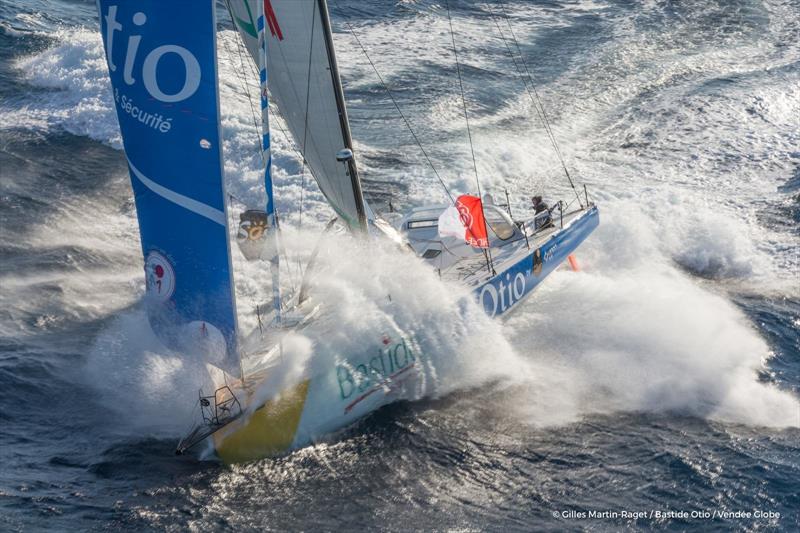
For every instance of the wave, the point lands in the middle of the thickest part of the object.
(628, 334)
(633, 332)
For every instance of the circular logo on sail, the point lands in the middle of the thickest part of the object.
(159, 276)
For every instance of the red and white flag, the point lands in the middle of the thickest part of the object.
(465, 220)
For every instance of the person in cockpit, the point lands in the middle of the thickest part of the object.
(543, 217)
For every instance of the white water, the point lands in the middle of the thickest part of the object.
(630, 332)
(633, 332)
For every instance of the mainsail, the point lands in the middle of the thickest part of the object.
(304, 83)
(164, 79)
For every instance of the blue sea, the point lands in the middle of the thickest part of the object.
(657, 388)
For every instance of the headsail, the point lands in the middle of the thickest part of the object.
(164, 78)
(304, 82)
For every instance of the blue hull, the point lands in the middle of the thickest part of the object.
(502, 292)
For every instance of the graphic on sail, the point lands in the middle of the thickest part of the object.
(164, 81)
(303, 81)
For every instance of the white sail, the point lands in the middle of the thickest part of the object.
(304, 83)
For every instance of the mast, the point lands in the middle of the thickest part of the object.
(350, 161)
(272, 219)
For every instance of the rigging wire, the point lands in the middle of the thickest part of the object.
(516, 67)
(242, 81)
(486, 251)
(279, 121)
(463, 99)
(305, 123)
(543, 114)
(276, 114)
(399, 110)
(241, 76)
(293, 145)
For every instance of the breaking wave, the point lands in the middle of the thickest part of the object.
(627, 334)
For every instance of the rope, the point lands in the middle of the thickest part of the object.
(254, 73)
(242, 81)
(537, 100)
(305, 123)
(463, 99)
(487, 251)
(399, 111)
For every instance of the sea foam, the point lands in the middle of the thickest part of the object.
(631, 333)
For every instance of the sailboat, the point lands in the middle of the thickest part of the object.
(162, 62)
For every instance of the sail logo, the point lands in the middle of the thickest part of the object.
(272, 20)
(245, 20)
(159, 276)
(503, 295)
(148, 73)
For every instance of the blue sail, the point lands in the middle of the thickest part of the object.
(162, 63)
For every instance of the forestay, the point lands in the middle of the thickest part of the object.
(303, 82)
(162, 63)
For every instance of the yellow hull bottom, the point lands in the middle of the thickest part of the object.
(270, 430)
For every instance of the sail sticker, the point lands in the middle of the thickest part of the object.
(243, 16)
(159, 276)
(272, 20)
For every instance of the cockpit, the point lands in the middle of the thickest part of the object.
(421, 228)
(499, 224)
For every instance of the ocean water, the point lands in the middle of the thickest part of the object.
(664, 378)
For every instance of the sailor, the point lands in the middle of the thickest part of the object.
(543, 217)
(539, 205)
